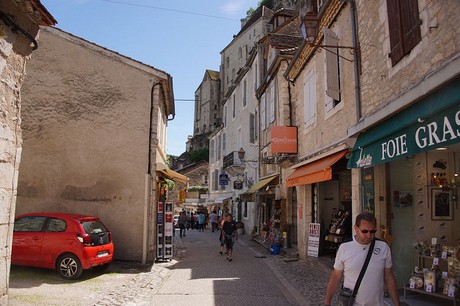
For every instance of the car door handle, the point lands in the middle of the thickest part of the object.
(36, 238)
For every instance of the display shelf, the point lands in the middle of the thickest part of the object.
(425, 261)
(435, 294)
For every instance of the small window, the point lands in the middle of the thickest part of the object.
(56, 225)
(29, 224)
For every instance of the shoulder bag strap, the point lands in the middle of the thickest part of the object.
(363, 270)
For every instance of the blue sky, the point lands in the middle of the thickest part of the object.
(180, 37)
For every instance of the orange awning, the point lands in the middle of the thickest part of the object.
(317, 171)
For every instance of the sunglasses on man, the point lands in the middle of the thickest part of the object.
(368, 231)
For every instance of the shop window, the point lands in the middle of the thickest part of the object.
(245, 209)
(404, 27)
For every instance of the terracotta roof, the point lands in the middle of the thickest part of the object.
(282, 41)
(46, 18)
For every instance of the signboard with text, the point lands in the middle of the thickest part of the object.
(284, 139)
(314, 234)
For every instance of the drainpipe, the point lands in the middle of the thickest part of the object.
(289, 95)
(147, 181)
(357, 59)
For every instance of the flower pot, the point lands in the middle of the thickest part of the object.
(275, 249)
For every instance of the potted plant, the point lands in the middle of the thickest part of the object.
(276, 241)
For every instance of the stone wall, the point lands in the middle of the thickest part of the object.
(380, 82)
(15, 50)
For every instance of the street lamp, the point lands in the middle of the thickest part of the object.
(241, 152)
(309, 27)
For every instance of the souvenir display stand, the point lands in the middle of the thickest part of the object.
(337, 231)
(165, 231)
(437, 273)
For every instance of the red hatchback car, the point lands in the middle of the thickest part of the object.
(69, 243)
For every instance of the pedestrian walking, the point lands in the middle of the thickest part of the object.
(221, 235)
(201, 220)
(213, 220)
(187, 225)
(182, 221)
(229, 233)
(193, 220)
(349, 264)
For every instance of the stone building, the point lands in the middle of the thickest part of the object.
(19, 27)
(207, 110)
(189, 196)
(94, 139)
(406, 156)
(319, 184)
(384, 140)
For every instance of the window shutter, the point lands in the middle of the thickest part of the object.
(332, 65)
(394, 15)
(410, 24)
(252, 127)
(272, 103)
(262, 112)
(224, 144)
(211, 150)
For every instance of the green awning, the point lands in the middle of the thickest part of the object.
(431, 123)
(261, 183)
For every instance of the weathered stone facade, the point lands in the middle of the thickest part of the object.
(15, 50)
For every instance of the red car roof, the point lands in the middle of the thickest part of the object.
(61, 215)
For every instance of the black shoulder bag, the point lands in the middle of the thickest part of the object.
(346, 295)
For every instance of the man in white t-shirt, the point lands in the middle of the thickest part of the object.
(350, 259)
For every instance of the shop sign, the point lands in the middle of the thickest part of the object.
(314, 234)
(237, 185)
(439, 130)
(284, 139)
(223, 179)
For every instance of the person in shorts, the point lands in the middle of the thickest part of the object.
(229, 232)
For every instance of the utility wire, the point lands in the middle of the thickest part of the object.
(169, 10)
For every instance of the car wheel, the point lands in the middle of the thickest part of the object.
(69, 266)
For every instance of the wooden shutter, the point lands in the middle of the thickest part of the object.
(404, 27)
(332, 65)
(410, 24)
(394, 22)
(252, 128)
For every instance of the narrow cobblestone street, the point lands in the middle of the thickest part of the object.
(197, 275)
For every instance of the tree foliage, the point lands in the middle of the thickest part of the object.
(268, 3)
(199, 155)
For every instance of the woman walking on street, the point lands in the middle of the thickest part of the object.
(221, 239)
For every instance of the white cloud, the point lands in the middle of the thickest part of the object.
(236, 7)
